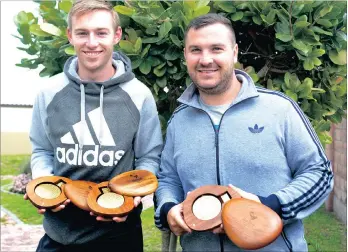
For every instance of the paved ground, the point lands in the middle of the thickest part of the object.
(16, 236)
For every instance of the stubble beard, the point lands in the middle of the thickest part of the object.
(220, 87)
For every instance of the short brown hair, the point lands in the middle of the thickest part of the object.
(81, 7)
(209, 19)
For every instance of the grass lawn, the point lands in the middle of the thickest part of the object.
(323, 231)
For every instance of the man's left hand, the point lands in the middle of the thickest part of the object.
(245, 194)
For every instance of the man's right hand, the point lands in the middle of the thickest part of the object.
(57, 209)
(176, 221)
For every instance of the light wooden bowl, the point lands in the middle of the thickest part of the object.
(46, 192)
(249, 224)
(77, 191)
(203, 206)
(134, 183)
(103, 202)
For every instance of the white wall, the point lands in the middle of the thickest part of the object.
(18, 85)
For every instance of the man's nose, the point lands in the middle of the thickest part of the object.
(206, 60)
(92, 41)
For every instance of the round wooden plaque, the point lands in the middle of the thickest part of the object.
(46, 192)
(104, 202)
(134, 183)
(77, 191)
(249, 224)
(203, 206)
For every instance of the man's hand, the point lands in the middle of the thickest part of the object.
(176, 220)
(219, 230)
(136, 201)
(57, 209)
(245, 194)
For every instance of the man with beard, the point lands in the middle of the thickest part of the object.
(227, 131)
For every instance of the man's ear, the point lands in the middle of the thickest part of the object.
(69, 35)
(185, 53)
(118, 35)
(235, 55)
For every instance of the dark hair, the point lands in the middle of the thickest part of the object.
(209, 19)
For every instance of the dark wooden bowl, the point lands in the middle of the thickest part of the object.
(134, 183)
(46, 192)
(218, 196)
(249, 224)
(106, 203)
(77, 191)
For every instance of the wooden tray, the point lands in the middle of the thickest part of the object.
(249, 224)
(46, 192)
(134, 183)
(104, 202)
(77, 191)
(199, 217)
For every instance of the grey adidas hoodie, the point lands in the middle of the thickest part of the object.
(264, 145)
(93, 131)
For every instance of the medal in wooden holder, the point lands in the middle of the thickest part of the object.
(250, 224)
(134, 183)
(103, 202)
(46, 192)
(77, 191)
(203, 206)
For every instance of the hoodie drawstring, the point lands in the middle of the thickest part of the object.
(83, 117)
(101, 101)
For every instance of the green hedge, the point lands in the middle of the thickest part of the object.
(296, 47)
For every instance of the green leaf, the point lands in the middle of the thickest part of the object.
(301, 24)
(160, 70)
(305, 88)
(321, 12)
(257, 20)
(136, 63)
(317, 53)
(318, 30)
(318, 90)
(145, 51)
(201, 11)
(51, 29)
(316, 61)
(175, 40)
(65, 6)
(325, 22)
(126, 46)
(164, 29)
(172, 53)
(145, 67)
(124, 10)
(70, 50)
(226, 6)
(237, 16)
(36, 30)
(308, 64)
(132, 35)
(291, 94)
(299, 45)
(339, 58)
(151, 40)
(137, 46)
(284, 37)
(161, 82)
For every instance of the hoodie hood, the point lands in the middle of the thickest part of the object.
(123, 74)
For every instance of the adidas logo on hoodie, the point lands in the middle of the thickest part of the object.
(76, 155)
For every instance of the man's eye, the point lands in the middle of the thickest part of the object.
(102, 33)
(217, 49)
(195, 50)
(82, 33)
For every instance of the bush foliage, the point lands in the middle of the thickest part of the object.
(296, 47)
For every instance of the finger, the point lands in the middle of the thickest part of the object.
(219, 230)
(100, 218)
(66, 202)
(57, 209)
(120, 219)
(137, 201)
(180, 222)
(41, 211)
(25, 196)
(91, 214)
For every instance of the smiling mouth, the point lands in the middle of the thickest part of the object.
(93, 53)
(207, 70)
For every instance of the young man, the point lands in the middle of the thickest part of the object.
(229, 132)
(97, 122)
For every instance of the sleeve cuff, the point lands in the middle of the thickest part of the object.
(272, 202)
(164, 212)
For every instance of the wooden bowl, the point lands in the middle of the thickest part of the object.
(249, 224)
(203, 206)
(46, 192)
(104, 202)
(77, 191)
(134, 183)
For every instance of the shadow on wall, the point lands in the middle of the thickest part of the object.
(15, 143)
